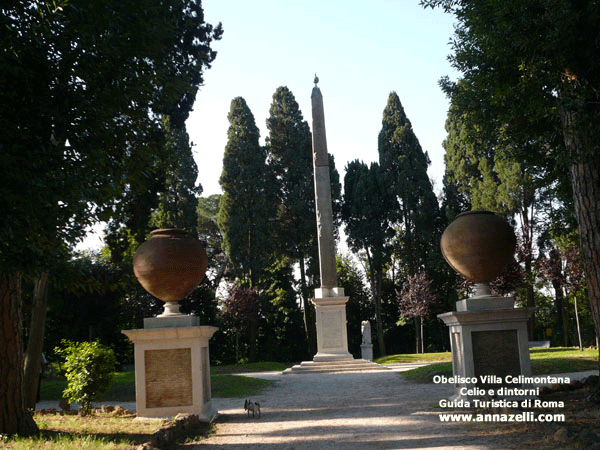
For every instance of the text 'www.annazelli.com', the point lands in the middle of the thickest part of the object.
(527, 416)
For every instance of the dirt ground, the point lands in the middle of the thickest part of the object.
(376, 410)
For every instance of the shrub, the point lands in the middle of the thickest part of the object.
(89, 368)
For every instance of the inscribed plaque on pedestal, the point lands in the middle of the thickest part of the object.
(332, 332)
(496, 353)
(168, 377)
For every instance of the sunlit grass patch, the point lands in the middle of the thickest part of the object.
(100, 431)
(230, 386)
(544, 361)
(415, 358)
(248, 368)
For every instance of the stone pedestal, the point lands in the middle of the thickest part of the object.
(172, 368)
(332, 335)
(366, 352)
(488, 337)
(332, 338)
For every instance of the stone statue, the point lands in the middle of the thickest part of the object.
(365, 329)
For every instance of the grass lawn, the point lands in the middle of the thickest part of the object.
(98, 432)
(248, 368)
(415, 358)
(544, 361)
(122, 388)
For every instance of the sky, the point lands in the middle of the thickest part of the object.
(361, 51)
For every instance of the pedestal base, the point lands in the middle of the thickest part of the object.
(489, 346)
(172, 371)
(367, 352)
(172, 321)
(332, 336)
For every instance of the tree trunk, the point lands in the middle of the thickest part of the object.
(14, 417)
(310, 325)
(418, 336)
(528, 252)
(33, 357)
(578, 326)
(585, 178)
(585, 182)
(422, 335)
(561, 324)
(252, 334)
(378, 318)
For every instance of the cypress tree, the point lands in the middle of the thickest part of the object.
(366, 213)
(289, 149)
(248, 203)
(404, 164)
(177, 203)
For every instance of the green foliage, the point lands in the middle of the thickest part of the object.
(289, 149)
(359, 306)
(209, 232)
(89, 368)
(224, 384)
(88, 300)
(282, 336)
(248, 202)
(404, 164)
(178, 201)
(529, 92)
(367, 212)
(525, 64)
(483, 169)
(85, 85)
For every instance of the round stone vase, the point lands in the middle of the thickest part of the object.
(170, 265)
(479, 245)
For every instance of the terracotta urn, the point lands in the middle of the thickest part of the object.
(170, 265)
(479, 245)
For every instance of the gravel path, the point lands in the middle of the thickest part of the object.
(368, 410)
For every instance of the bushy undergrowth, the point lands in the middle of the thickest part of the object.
(88, 369)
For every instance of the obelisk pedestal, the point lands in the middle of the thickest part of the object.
(332, 335)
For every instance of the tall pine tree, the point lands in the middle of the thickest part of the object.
(247, 207)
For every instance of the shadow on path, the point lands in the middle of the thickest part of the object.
(377, 410)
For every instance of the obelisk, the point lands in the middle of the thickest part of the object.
(330, 303)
